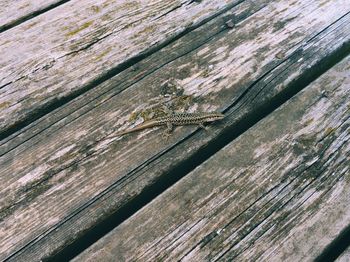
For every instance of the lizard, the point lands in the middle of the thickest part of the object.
(175, 119)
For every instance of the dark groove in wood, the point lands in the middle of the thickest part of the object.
(54, 104)
(336, 248)
(277, 208)
(151, 71)
(171, 10)
(179, 171)
(31, 15)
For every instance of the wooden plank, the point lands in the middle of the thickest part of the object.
(62, 167)
(61, 54)
(279, 192)
(13, 13)
(345, 257)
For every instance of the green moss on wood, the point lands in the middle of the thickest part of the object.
(81, 28)
(4, 105)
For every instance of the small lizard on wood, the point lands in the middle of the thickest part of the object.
(177, 119)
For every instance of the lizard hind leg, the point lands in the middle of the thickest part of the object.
(169, 128)
(168, 131)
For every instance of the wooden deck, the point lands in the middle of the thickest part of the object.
(270, 182)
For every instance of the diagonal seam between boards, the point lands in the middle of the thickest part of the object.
(228, 135)
(52, 105)
(155, 156)
(95, 98)
(152, 160)
(291, 198)
(296, 53)
(108, 90)
(337, 247)
(33, 134)
(31, 15)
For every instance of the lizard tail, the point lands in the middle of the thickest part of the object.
(136, 128)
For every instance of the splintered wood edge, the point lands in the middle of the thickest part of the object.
(77, 183)
(270, 194)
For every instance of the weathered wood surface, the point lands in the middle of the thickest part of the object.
(13, 13)
(66, 51)
(57, 183)
(345, 257)
(280, 192)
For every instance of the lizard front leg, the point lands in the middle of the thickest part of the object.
(201, 125)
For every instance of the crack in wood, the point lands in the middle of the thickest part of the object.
(209, 149)
(31, 15)
(54, 104)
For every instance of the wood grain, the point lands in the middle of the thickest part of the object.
(279, 192)
(345, 256)
(13, 13)
(59, 182)
(65, 52)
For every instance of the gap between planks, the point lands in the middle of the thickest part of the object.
(270, 194)
(20, 11)
(180, 171)
(316, 64)
(68, 88)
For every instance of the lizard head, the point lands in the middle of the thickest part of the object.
(214, 116)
